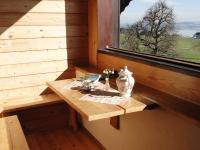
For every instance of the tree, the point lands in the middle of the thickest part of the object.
(156, 30)
(128, 39)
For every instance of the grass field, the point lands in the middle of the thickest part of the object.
(186, 48)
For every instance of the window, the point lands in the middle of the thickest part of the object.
(167, 28)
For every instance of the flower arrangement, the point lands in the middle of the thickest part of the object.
(107, 72)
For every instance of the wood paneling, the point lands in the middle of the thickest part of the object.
(42, 19)
(108, 23)
(174, 83)
(26, 32)
(28, 80)
(54, 6)
(38, 44)
(93, 31)
(32, 56)
(38, 67)
(40, 41)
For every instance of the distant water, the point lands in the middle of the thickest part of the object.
(187, 32)
(186, 29)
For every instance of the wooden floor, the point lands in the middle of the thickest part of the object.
(62, 139)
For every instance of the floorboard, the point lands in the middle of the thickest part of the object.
(62, 139)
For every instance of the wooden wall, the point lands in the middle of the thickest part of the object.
(40, 41)
(172, 82)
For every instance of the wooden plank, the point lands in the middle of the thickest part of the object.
(65, 139)
(77, 42)
(27, 56)
(22, 92)
(17, 32)
(36, 6)
(32, 90)
(36, 68)
(5, 139)
(12, 136)
(14, 58)
(77, 53)
(11, 105)
(108, 18)
(185, 87)
(28, 80)
(38, 44)
(134, 105)
(32, 44)
(24, 32)
(90, 110)
(42, 19)
(93, 31)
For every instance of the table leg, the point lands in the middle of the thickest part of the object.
(73, 123)
(115, 122)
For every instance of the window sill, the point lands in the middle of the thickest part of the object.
(176, 65)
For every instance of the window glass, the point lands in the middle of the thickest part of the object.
(169, 28)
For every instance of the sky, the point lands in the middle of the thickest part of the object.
(184, 10)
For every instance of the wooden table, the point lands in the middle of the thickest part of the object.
(92, 110)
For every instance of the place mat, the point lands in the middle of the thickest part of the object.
(98, 94)
(115, 100)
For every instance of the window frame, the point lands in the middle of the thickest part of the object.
(182, 65)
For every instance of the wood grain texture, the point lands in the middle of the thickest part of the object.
(90, 110)
(37, 68)
(174, 83)
(180, 96)
(27, 56)
(31, 90)
(93, 31)
(66, 140)
(38, 44)
(28, 80)
(41, 6)
(40, 40)
(108, 23)
(22, 92)
(15, 104)
(12, 137)
(42, 19)
(30, 32)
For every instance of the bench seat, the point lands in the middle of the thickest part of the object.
(11, 105)
(11, 134)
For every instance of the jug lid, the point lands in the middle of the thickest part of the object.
(125, 72)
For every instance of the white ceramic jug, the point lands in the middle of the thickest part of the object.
(125, 82)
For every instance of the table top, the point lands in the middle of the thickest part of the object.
(92, 110)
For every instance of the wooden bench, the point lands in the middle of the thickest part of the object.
(11, 105)
(11, 134)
